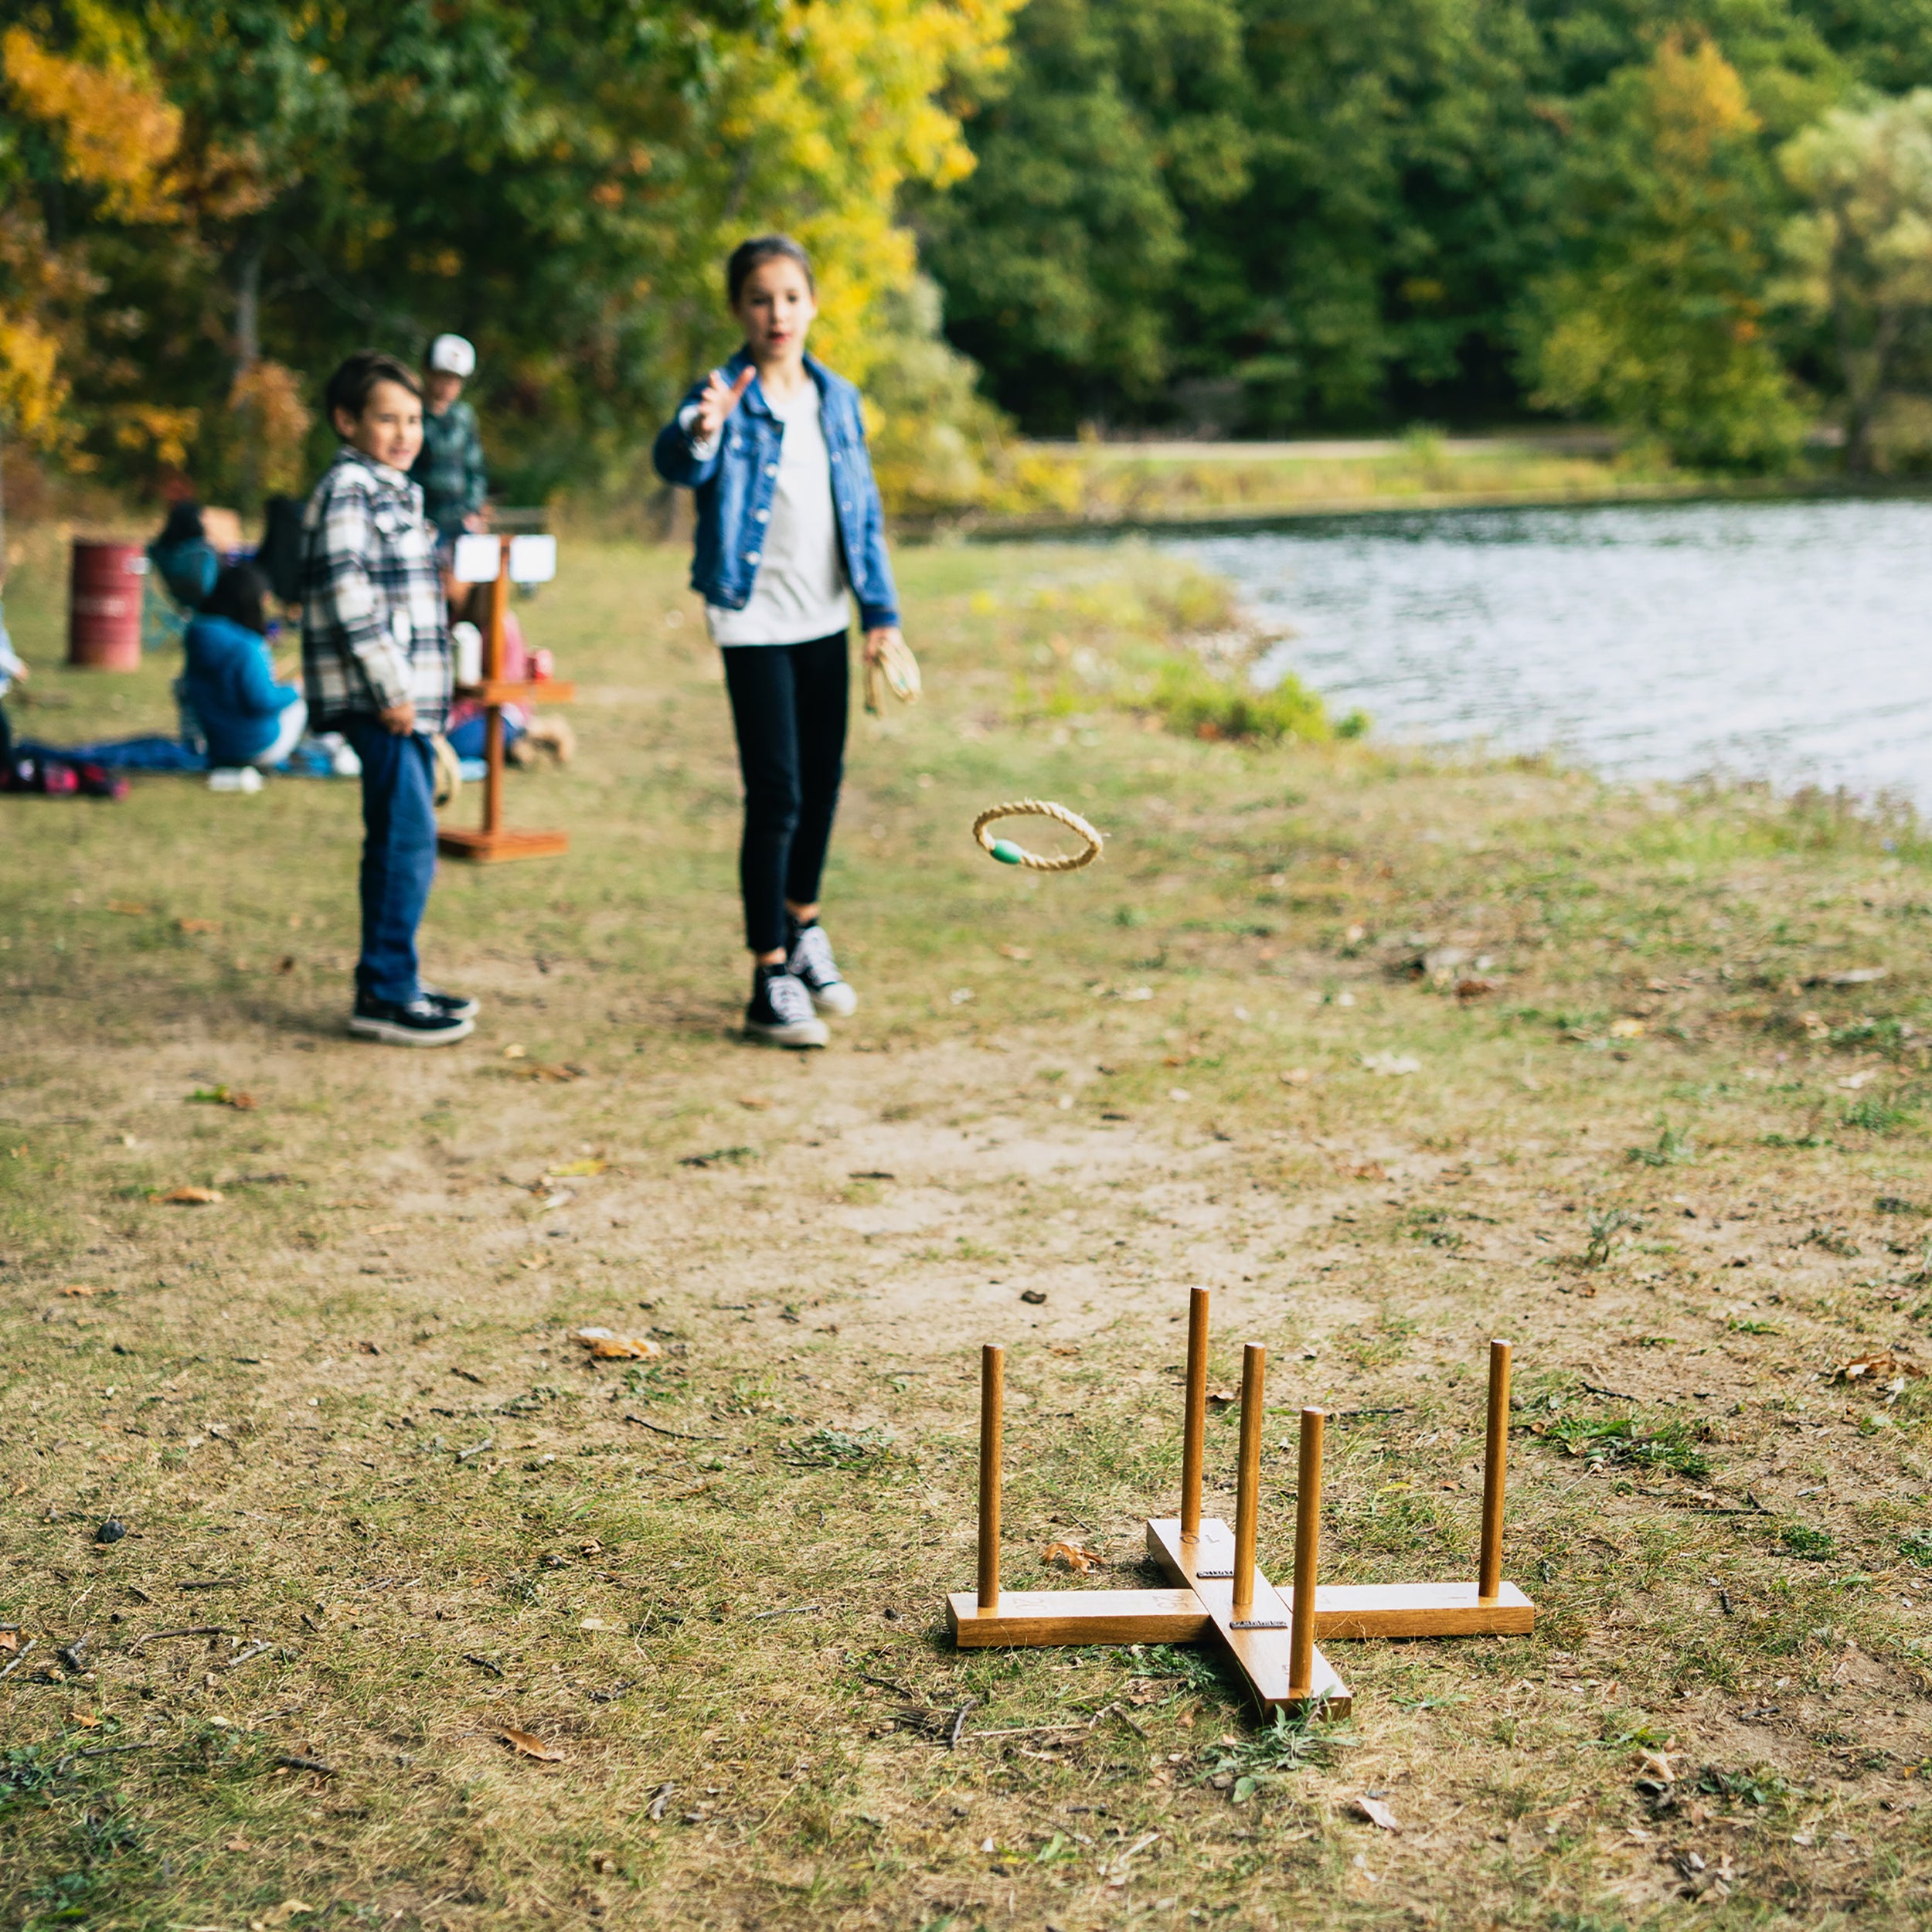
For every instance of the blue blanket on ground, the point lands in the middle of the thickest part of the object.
(156, 754)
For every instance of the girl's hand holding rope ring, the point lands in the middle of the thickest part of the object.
(1009, 854)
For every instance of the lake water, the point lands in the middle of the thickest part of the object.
(1787, 641)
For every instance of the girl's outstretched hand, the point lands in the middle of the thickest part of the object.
(720, 399)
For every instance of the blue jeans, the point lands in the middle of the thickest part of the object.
(399, 855)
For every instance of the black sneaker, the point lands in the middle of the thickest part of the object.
(418, 1022)
(457, 1006)
(808, 959)
(781, 1012)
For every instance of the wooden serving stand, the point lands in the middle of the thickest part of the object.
(493, 841)
(1216, 1591)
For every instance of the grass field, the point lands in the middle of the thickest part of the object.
(1394, 1053)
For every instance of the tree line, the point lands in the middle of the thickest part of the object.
(1708, 224)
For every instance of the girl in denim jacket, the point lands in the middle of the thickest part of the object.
(790, 533)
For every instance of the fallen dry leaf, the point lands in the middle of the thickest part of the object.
(1377, 1813)
(79, 1287)
(1071, 1556)
(515, 1051)
(549, 1071)
(237, 1845)
(199, 926)
(1295, 1076)
(1015, 952)
(524, 1745)
(193, 1196)
(574, 1168)
(606, 1344)
(1882, 1368)
(367, 1348)
(86, 1719)
(224, 1096)
(1627, 1030)
(756, 1102)
(126, 908)
(1220, 1398)
(1475, 987)
(9, 1640)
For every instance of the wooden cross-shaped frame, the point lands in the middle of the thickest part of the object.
(1214, 1590)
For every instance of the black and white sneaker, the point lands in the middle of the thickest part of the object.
(781, 1012)
(416, 1023)
(457, 1006)
(809, 959)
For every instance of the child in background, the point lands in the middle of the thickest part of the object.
(790, 531)
(11, 668)
(375, 657)
(183, 558)
(450, 466)
(246, 716)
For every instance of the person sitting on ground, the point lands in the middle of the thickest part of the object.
(183, 558)
(246, 717)
(449, 468)
(375, 662)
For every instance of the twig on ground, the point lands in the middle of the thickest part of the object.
(482, 1663)
(1615, 1395)
(253, 1650)
(677, 1435)
(294, 1764)
(32, 1643)
(957, 1728)
(463, 1455)
(797, 1610)
(211, 1583)
(191, 1630)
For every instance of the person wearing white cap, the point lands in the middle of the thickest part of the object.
(449, 468)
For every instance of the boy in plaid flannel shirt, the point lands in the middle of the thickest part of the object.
(376, 661)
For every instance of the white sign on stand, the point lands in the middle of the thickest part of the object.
(532, 559)
(478, 558)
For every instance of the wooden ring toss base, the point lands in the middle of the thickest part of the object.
(1009, 854)
(493, 841)
(1216, 1593)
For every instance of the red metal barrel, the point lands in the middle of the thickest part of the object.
(103, 609)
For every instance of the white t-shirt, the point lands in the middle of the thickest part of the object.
(800, 591)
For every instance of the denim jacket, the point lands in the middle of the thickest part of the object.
(735, 485)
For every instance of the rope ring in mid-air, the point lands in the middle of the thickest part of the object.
(1009, 854)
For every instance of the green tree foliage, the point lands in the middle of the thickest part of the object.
(1658, 322)
(559, 182)
(1275, 213)
(1860, 259)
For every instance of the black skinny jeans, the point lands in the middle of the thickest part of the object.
(789, 703)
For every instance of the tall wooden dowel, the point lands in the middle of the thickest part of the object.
(1489, 1577)
(992, 1378)
(1247, 1499)
(1194, 1426)
(1307, 1554)
(493, 745)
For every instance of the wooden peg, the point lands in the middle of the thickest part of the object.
(1489, 1572)
(1247, 1502)
(1194, 1426)
(992, 1378)
(1307, 1554)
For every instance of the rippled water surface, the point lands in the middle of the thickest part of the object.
(1789, 642)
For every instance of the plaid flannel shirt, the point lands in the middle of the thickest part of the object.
(449, 466)
(375, 629)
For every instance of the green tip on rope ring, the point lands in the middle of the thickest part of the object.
(1005, 852)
